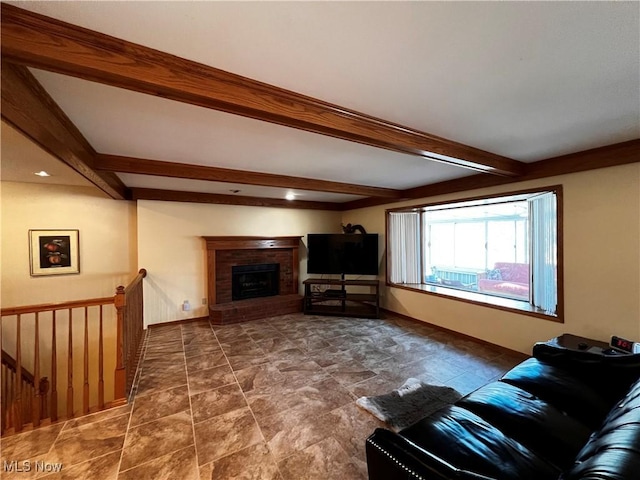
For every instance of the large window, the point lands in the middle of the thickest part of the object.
(502, 251)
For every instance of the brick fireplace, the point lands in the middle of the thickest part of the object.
(225, 253)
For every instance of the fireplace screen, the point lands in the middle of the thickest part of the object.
(251, 281)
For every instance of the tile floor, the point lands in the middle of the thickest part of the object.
(268, 399)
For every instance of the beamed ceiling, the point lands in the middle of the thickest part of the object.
(331, 101)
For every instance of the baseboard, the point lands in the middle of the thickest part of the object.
(463, 335)
(177, 322)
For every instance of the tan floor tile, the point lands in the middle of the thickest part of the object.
(100, 468)
(180, 464)
(225, 434)
(259, 378)
(210, 378)
(97, 417)
(348, 374)
(294, 430)
(23, 446)
(216, 402)
(88, 441)
(155, 439)
(160, 380)
(200, 349)
(161, 404)
(252, 463)
(326, 459)
(206, 360)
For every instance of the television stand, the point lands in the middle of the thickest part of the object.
(342, 301)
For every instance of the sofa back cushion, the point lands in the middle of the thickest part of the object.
(613, 452)
(562, 389)
(529, 420)
(513, 272)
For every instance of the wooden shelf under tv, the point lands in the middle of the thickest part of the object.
(326, 299)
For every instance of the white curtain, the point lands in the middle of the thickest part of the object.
(544, 260)
(404, 233)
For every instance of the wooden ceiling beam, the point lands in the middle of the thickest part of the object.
(198, 197)
(121, 164)
(42, 42)
(602, 157)
(29, 109)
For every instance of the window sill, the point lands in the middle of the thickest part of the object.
(491, 301)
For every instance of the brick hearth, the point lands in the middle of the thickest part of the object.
(254, 309)
(226, 252)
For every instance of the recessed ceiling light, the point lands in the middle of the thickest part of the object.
(290, 196)
(42, 173)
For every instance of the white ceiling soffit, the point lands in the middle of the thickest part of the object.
(21, 158)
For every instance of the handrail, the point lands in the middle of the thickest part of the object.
(47, 307)
(11, 363)
(141, 274)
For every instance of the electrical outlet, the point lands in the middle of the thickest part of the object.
(204, 301)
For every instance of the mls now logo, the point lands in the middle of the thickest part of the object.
(28, 466)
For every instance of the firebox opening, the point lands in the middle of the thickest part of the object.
(252, 281)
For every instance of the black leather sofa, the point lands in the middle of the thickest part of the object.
(562, 414)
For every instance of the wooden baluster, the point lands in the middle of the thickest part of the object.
(10, 396)
(3, 397)
(119, 383)
(70, 368)
(54, 371)
(17, 401)
(85, 392)
(126, 336)
(35, 408)
(101, 363)
(27, 398)
(43, 387)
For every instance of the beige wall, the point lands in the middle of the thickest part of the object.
(107, 242)
(108, 258)
(170, 247)
(601, 265)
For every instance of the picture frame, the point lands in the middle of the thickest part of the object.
(54, 252)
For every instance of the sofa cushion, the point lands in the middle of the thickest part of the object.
(514, 272)
(530, 421)
(613, 452)
(507, 288)
(464, 440)
(562, 389)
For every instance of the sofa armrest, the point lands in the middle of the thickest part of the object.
(391, 456)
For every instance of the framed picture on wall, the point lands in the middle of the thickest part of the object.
(54, 252)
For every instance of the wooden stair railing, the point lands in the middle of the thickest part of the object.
(129, 305)
(42, 336)
(34, 402)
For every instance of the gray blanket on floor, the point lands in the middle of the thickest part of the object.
(411, 402)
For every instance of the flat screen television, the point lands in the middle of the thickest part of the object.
(342, 253)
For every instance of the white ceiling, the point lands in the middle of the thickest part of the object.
(526, 80)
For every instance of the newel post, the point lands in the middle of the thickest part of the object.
(120, 375)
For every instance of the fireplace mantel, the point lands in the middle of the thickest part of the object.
(226, 251)
(240, 243)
